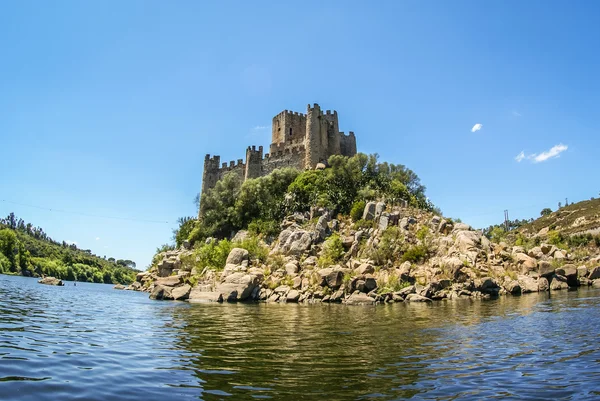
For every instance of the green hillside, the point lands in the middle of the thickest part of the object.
(27, 250)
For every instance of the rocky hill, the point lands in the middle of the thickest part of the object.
(391, 254)
(576, 219)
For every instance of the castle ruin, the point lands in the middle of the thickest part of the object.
(298, 140)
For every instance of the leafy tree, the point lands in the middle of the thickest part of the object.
(546, 211)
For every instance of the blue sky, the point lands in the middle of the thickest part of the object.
(107, 108)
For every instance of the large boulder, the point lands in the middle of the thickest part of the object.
(527, 284)
(293, 296)
(594, 273)
(513, 287)
(536, 252)
(526, 262)
(161, 293)
(559, 283)
(181, 293)
(548, 249)
(365, 268)
(170, 281)
(237, 256)
(543, 284)
(331, 277)
(369, 212)
(198, 296)
(169, 263)
(416, 298)
(237, 286)
(294, 241)
(359, 299)
(51, 281)
(321, 228)
(545, 268)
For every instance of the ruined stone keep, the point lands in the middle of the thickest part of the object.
(298, 140)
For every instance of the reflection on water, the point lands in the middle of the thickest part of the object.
(91, 342)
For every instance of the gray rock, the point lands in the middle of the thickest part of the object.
(462, 227)
(161, 293)
(119, 287)
(543, 284)
(545, 268)
(170, 281)
(582, 271)
(559, 283)
(369, 212)
(197, 296)
(293, 296)
(181, 293)
(237, 287)
(237, 256)
(379, 208)
(513, 287)
(321, 228)
(331, 277)
(594, 273)
(360, 299)
(548, 249)
(51, 281)
(370, 283)
(416, 298)
(596, 283)
(291, 268)
(365, 268)
(527, 284)
(384, 221)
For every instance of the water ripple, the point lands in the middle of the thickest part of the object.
(91, 342)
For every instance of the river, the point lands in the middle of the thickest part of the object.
(90, 342)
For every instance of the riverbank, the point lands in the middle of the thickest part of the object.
(393, 254)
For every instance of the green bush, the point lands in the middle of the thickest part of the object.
(256, 249)
(333, 251)
(555, 238)
(264, 228)
(214, 254)
(390, 242)
(364, 224)
(422, 233)
(415, 254)
(597, 240)
(357, 210)
(579, 240)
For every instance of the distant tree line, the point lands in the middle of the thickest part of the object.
(29, 251)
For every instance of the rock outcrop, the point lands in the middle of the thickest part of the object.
(397, 254)
(51, 281)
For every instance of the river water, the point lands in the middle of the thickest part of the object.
(90, 342)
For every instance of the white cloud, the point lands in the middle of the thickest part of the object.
(476, 127)
(71, 242)
(555, 151)
(520, 157)
(97, 238)
(260, 127)
(516, 113)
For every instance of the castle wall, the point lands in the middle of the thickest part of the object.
(347, 144)
(291, 157)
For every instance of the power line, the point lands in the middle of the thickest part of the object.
(87, 214)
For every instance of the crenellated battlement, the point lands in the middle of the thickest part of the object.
(298, 140)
